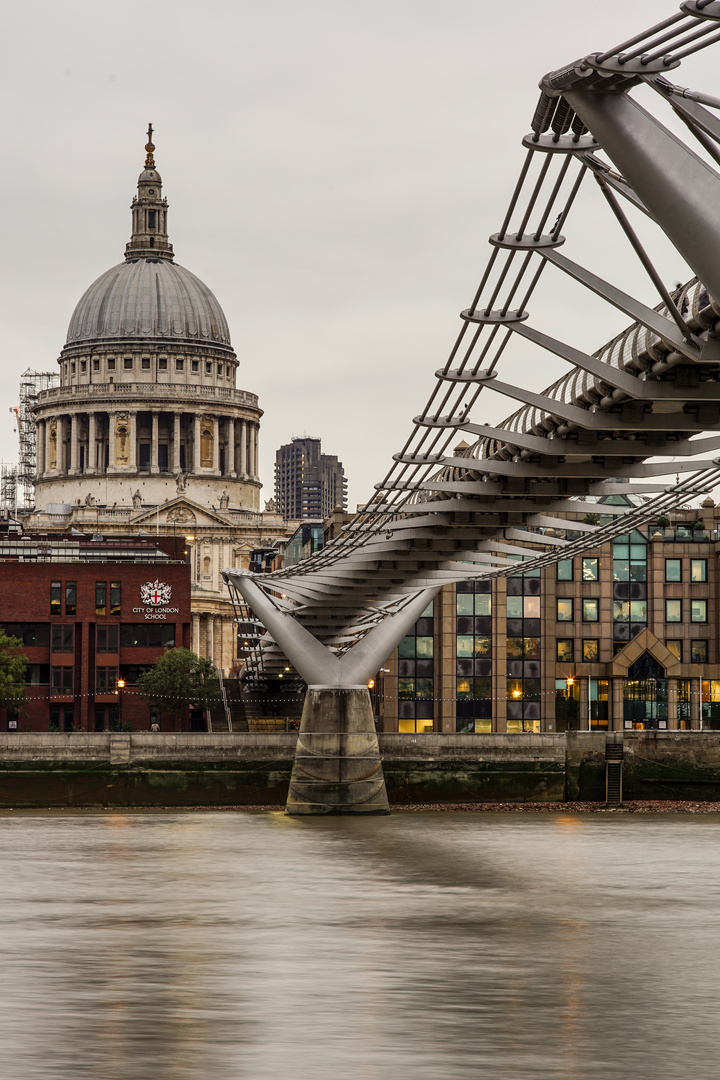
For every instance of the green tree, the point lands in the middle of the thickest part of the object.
(12, 672)
(180, 677)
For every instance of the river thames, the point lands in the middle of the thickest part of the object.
(224, 945)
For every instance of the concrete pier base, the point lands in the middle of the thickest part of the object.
(337, 767)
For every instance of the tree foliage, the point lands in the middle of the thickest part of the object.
(180, 677)
(12, 672)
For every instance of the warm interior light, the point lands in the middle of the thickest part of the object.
(189, 539)
(121, 683)
(371, 683)
(517, 693)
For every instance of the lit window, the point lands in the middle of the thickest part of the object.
(621, 611)
(698, 611)
(565, 650)
(698, 569)
(638, 611)
(564, 609)
(673, 611)
(514, 607)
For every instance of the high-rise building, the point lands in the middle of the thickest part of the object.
(308, 483)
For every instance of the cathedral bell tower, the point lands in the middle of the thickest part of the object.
(149, 213)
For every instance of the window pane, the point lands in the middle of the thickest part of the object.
(591, 650)
(673, 611)
(565, 570)
(514, 648)
(591, 610)
(565, 610)
(698, 569)
(70, 597)
(423, 688)
(464, 688)
(464, 603)
(483, 688)
(406, 688)
(531, 607)
(591, 569)
(675, 648)
(514, 607)
(621, 611)
(565, 650)
(483, 646)
(424, 646)
(464, 646)
(114, 597)
(698, 652)
(406, 648)
(100, 597)
(698, 610)
(638, 611)
(531, 648)
(621, 570)
(673, 569)
(483, 604)
(638, 551)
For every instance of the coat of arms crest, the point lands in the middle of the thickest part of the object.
(156, 593)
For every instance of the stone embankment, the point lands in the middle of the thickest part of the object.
(252, 769)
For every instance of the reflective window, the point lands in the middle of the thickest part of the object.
(591, 650)
(675, 647)
(100, 597)
(673, 569)
(591, 610)
(514, 607)
(70, 597)
(565, 570)
(621, 611)
(698, 652)
(565, 650)
(591, 569)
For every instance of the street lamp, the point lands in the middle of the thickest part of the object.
(120, 688)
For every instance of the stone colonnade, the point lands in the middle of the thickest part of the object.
(83, 442)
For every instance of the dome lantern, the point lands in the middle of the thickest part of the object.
(149, 237)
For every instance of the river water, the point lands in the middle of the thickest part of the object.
(225, 946)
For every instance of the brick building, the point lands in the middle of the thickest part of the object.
(90, 612)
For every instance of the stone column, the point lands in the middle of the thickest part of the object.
(243, 448)
(74, 448)
(216, 445)
(253, 450)
(196, 444)
(197, 635)
(61, 428)
(47, 447)
(40, 448)
(616, 712)
(695, 704)
(176, 442)
(133, 442)
(230, 451)
(154, 442)
(210, 637)
(91, 463)
(111, 442)
(672, 705)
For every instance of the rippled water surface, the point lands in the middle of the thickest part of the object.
(230, 945)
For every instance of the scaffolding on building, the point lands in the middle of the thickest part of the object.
(17, 482)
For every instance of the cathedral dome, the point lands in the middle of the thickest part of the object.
(145, 298)
(148, 296)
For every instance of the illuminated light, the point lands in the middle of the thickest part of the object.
(371, 684)
(121, 684)
(517, 693)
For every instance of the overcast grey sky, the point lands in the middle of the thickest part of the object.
(333, 171)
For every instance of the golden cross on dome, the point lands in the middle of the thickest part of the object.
(149, 160)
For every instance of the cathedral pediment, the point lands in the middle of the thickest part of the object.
(180, 511)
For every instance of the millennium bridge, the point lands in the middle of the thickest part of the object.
(621, 420)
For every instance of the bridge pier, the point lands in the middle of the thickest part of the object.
(337, 767)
